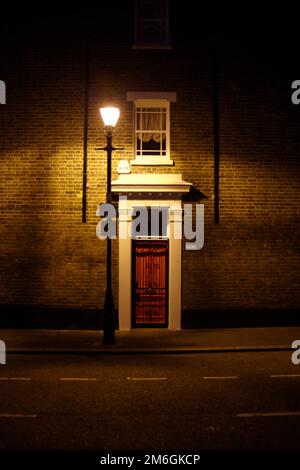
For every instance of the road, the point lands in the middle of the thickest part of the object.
(163, 401)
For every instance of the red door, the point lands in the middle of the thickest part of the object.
(150, 283)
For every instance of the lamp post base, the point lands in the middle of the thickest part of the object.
(108, 319)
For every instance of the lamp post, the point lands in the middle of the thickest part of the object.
(110, 116)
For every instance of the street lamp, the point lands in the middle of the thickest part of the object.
(110, 116)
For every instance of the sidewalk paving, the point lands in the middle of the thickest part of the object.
(151, 340)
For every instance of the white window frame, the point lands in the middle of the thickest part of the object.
(152, 159)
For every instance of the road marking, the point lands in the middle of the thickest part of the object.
(70, 379)
(279, 376)
(147, 378)
(271, 414)
(15, 378)
(17, 415)
(221, 378)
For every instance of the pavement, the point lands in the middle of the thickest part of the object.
(151, 340)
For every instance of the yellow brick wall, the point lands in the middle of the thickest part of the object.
(49, 257)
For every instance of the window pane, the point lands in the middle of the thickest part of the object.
(151, 121)
(151, 131)
(149, 110)
(151, 144)
(138, 121)
(138, 142)
(152, 31)
(152, 9)
(151, 21)
(163, 144)
(163, 121)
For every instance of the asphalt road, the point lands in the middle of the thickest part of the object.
(154, 402)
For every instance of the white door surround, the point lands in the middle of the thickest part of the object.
(160, 190)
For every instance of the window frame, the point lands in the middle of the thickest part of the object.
(152, 159)
(156, 44)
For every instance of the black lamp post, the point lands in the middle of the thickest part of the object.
(110, 116)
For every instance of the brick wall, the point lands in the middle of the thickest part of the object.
(49, 257)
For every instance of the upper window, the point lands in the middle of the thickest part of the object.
(152, 132)
(152, 24)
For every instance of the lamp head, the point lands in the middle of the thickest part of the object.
(110, 116)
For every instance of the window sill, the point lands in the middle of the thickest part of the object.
(146, 161)
(146, 45)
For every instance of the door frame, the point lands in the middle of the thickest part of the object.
(135, 242)
(125, 259)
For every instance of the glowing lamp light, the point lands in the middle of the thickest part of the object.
(110, 115)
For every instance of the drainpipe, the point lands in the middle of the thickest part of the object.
(216, 136)
(85, 132)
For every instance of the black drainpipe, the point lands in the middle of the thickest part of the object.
(85, 132)
(216, 133)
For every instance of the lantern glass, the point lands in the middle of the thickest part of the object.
(110, 115)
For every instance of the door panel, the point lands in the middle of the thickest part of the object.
(150, 283)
